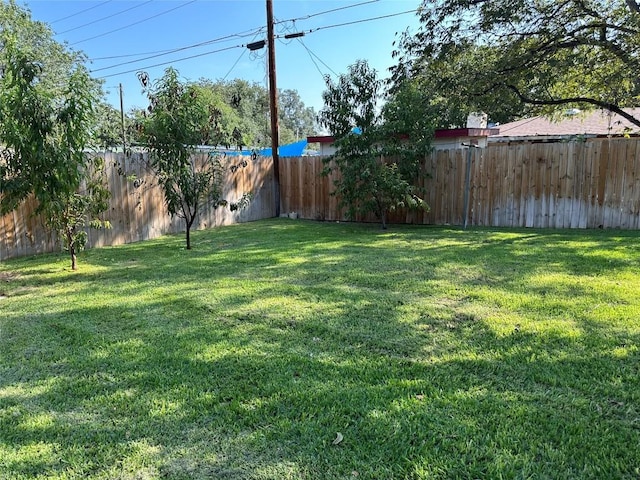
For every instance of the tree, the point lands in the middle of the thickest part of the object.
(295, 120)
(376, 174)
(47, 101)
(108, 128)
(512, 58)
(249, 104)
(179, 121)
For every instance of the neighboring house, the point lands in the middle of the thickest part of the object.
(444, 139)
(573, 123)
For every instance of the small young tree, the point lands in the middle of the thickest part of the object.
(376, 174)
(45, 129)
(179, 121)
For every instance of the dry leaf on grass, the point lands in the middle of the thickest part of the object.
(338, 438)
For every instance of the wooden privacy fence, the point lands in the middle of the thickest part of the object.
(577, 184)
(594, 183)
(137, 210)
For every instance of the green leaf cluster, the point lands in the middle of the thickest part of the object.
(246, 108)
(183, 116)
(379, 148)
(527, 57)
(47, 101)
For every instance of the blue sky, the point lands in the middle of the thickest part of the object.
(328, 49)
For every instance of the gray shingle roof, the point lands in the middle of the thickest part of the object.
(595, 122)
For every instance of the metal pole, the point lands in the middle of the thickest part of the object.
(273, 106)
(124, 138)
(467, 186)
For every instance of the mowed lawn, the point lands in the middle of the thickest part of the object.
(289, 349)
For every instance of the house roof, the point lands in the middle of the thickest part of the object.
(595, 122)
(439, 133)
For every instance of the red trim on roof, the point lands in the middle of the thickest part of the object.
(439, 133)
(465, 132)
(321, 139)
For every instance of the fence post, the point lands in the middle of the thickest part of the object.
(467, 184)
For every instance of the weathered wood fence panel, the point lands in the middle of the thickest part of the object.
(577, 184)
(137, 210)
(593, 183)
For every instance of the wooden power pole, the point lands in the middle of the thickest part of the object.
(273, 106)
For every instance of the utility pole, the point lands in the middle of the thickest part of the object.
(124, 138)
(273, 105)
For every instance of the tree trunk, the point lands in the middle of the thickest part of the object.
(189, 225)
(74, 258)
(383, 217)
(72, 252)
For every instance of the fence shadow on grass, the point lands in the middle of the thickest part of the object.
(243, 359)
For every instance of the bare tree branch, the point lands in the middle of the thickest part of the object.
(563, 101)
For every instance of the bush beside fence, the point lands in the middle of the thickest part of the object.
(592, 183)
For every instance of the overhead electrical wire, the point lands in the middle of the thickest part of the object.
(246, 33)
(138, 5)
(312, 54)
(315, 63)
(244, 50)
(174, 61)
(306, 17)
(313, 30)
(240, 35)
(325, 27)
(134, 23)
(80, 12)
(168, 52)
(289, 31)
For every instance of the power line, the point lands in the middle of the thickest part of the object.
(312, 54)
(81, 11)
(246, 33)
(239, 34)
(173, 61)
(240, 57)
(104, 18)
(167, 52)
(234, 65)
(306, 17)
(316, 65)
(134, 23)
(313, 30)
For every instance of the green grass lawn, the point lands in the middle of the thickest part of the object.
(433, 352)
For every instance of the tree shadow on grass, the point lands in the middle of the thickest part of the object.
(258, 396)
(203, 377)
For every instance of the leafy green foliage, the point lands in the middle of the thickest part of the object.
(239, 112)
(182, 118)
(74, 211)
(108, 128)
(249, 116)
(526, 57)
(46, 120)
(295, 120)
(377, 166)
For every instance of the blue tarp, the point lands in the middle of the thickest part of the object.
(289, 150)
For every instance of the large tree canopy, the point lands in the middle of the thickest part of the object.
(249, 104)
(516, 57)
